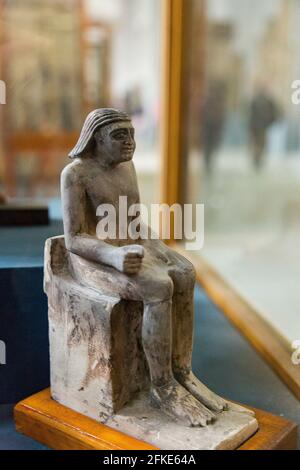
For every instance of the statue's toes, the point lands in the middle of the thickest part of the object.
(201, 419)
(217, 404)
(199, 415)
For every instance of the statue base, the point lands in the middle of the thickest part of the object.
(138, 419)
(139, 427)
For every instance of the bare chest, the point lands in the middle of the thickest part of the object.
(108, 187)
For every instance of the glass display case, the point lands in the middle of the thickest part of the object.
(236, 138)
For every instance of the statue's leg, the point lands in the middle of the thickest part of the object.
(154, 287)
(183, 315)
(166, 393)
(183, 328)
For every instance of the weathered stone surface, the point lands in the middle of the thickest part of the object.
(127, 264)
(121, 308)
(97, 361)
(98, 365)
(140, 420)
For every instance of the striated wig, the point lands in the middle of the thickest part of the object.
(94, 121)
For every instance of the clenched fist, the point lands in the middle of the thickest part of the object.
(128, 259)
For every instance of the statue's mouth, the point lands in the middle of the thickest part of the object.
(127, 153)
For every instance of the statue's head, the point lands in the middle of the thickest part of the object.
(108, 134)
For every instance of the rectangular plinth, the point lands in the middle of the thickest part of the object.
(58, 427)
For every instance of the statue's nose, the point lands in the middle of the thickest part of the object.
(129, 138)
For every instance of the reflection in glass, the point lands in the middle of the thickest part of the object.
(244, 142)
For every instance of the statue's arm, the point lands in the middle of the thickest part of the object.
(77, 239)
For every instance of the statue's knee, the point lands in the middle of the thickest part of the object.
(163, 289)
(167, 289)
(190, 274)
(185, 278)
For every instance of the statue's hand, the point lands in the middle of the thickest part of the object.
(128, 259)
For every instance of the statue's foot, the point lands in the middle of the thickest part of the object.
(201, 392)
(179, 404)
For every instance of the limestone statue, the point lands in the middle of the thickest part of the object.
(84, 273)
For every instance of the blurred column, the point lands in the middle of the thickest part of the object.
(178, 41)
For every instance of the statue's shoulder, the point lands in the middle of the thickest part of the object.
(73, 173)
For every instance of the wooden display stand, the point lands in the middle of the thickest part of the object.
(60, 428)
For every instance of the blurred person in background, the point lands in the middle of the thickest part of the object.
(263, 112)
(134, 101)
(213, 112)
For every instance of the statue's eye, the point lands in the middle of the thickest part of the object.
(120, 135)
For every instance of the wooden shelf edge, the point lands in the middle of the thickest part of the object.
(247, 320)
(61, 428)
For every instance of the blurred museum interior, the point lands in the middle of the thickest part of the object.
(235, 145)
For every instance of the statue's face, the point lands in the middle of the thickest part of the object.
(115, 142)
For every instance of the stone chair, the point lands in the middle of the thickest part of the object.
(96, 355)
